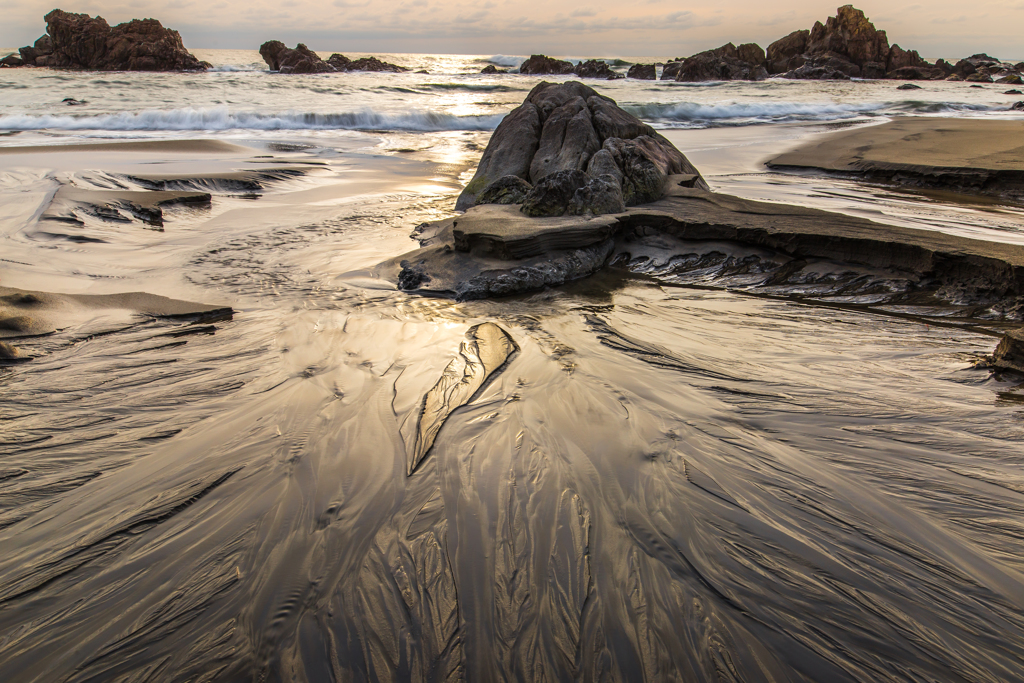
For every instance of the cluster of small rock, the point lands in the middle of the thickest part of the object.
(302, 60)
(79, 41)
(846, 46)
(567, 149)
(592, 68)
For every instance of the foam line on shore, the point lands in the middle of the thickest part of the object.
(221, 118)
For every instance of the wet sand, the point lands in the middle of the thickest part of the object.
(652, 478)
(957, 154)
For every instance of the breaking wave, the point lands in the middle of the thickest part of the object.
(230, 68)
(506, 60)
(222, 119)
(689, 114)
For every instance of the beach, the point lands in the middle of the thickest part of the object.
(677, 468)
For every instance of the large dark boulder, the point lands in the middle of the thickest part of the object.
(671, 69)
(510, 189)
(1009, 355)
(300, 60)
(567, 141)
(569, 127)
(510, 151)
(601, 195)
(595, 68)
(370, 64)
(645, 72)
(41, 48)
(552, 194)
(827, 67)
(900, 58)
(84, 42)
(12, 60)
(917, 73)
(785, 54)
(726, 63)
(542, 64)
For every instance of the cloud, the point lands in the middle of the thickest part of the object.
(583, 12)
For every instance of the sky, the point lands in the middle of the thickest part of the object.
(579, 28)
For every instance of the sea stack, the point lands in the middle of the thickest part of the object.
(569, 127)
(79, 41)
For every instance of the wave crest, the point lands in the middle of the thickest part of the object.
(223, 119)
(696, 114)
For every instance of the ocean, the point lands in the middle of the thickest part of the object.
(671, 479)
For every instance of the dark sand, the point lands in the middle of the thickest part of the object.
(960, 154)
(28, 313)
(163, 146)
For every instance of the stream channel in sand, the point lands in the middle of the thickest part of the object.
(663, 482)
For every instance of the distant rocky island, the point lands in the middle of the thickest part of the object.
(846, 46)
(302, 60)
(78, 41)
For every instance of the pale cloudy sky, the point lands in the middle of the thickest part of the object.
(605, 28)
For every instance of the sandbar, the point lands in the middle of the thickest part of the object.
(965, 155)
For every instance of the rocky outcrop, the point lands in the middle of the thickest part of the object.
(496, 250)
(786, 54)
(846, 46)
(302, 60)
(1009, 355)
(570, 127)
(726, 63)
(79, 41)
(42, 47)
(542, 65)
(595, 68)
(510, 189)
(538, 65)
(823, 68)
(491, 69)
(644, 72)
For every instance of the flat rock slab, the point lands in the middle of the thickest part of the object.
(965, 154)
(495, 250)
(504, 232)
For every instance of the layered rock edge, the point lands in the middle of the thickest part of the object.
(494, 250)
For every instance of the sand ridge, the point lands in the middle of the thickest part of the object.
(968, 154)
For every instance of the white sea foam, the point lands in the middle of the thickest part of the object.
(222, 118)
(507, 60)
(237, 67)
(693, 113)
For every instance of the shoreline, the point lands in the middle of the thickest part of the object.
(961, 155)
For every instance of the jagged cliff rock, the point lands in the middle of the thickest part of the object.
(84, 42)
(302, 60)
(726, 63)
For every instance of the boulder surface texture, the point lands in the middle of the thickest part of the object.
(570, 127)
(83, 42)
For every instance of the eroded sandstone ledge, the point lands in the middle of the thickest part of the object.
(495, 250)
